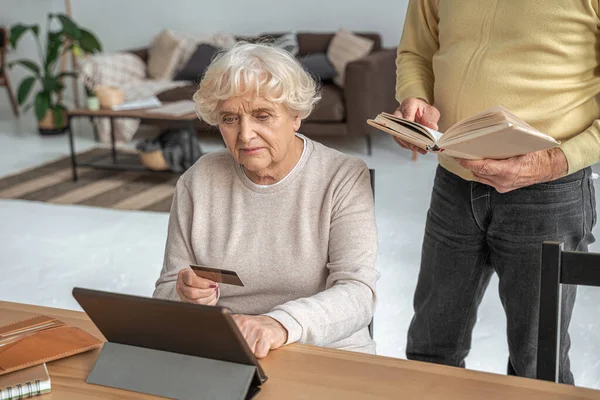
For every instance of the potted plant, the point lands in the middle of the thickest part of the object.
(92, 101)
(47, 102)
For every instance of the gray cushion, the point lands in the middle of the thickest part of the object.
(197, 64)
(318, 66)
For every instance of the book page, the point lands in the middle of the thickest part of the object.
(420, 141)
(397, 123)
(500, 144)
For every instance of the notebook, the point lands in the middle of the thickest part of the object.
(38, 340)
(495, 133)
(25, 383)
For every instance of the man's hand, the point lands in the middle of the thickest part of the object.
(193, 289)
(262, 333)
(417, 110)
(517, 172)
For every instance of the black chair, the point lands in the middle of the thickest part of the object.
(559, 267)
(372, 175)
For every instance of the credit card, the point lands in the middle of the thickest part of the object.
(218, 275)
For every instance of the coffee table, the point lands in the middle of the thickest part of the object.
(146, 116)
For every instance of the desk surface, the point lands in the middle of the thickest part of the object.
(306, 372)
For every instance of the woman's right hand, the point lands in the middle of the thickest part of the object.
(193, 289)
(417, 110)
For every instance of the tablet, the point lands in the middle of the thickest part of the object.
(172, 326)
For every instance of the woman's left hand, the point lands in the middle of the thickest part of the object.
(262, 333)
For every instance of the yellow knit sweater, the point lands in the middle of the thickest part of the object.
(538, 58)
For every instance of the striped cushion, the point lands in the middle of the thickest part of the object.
(163, 55)
(287, 42)
(346, 47)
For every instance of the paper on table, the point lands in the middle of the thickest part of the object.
(148, 102)
(182, 107)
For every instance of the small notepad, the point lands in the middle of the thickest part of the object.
(25, 383)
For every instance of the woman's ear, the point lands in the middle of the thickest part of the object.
(297, 122)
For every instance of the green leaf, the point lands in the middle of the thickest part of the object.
(51, 84)
(88, 42)
(15, 34)
(30, 65)
(42, 102)
(69, 27)
(19, 29)
(58, 115)
(24, 89)
(53, 45)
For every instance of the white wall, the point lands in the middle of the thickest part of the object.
(27, 12)
(123, 24)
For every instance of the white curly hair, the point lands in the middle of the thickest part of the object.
(256, 69)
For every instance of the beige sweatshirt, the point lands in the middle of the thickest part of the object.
(305, 247)
(537, 58)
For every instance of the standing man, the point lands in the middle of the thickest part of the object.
(539, 59)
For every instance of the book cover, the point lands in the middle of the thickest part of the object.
(25, 383)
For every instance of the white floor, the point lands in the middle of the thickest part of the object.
(46, 250)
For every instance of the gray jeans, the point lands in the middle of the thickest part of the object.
(472, 231)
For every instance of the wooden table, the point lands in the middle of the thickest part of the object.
(187, 121)
(306, 372)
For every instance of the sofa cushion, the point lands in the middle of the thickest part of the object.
(197, 64)
(331, 106)
(344, 48)
(329, 109)
(287, 42)
(178, 93)
(311, 42)
(163, 56)
(190, 42)
(319, 66)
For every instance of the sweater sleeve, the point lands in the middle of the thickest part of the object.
(414, 71)
(583, 150)
(178, 250)
(348, 301)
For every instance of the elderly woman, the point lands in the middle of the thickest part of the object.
(292, 217)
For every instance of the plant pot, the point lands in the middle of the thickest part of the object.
(154, 160)
(92, 103)
(47, 125)
(109, 96)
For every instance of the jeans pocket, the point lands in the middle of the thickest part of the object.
(559, 185)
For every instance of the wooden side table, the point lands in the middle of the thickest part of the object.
(147, 117)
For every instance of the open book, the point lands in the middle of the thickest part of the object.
(496, 133)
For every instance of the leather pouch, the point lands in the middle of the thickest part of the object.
(40, 339)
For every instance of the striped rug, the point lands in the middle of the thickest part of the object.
(124, 190)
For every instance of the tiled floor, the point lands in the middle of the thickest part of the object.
(47, 249)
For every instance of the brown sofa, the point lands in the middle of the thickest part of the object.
(369, 90)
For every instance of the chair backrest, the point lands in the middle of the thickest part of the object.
(559, 267)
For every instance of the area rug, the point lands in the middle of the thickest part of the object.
(125, 190)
